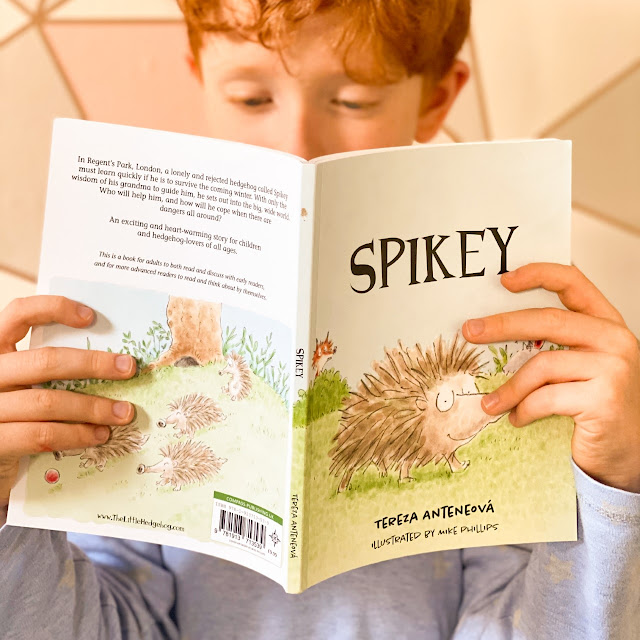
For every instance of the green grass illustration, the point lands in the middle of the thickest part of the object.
(524, 471)
(157, 340)
(324, 396)
(253, 438)
(500, 358)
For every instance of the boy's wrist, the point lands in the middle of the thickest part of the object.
(612, 503)
(629, 483)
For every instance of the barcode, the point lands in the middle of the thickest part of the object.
(247, 527)
(242, 526)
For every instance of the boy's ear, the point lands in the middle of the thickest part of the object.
(438, 99)
(193, 67)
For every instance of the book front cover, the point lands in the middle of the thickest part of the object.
(402, 458)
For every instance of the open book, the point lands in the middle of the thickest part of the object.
(306, 403)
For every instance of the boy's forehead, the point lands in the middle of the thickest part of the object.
(311, 50)
(234, 57)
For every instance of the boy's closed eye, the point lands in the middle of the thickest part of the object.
(251, 102)
(347, 104)
(256, 101)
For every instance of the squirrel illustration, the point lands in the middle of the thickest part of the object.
(323, 353)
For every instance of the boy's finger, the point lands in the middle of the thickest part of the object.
(35, 405)
(35, 366)
(575, 290)
(564, 327)
(23, 313)
(19, 439)
(566, 399)
(546, 367)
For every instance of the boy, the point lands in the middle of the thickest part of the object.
(274, 73)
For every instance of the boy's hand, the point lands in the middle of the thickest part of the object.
(33, 420)
(596, 381)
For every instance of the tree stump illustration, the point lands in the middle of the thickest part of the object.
(196, 333)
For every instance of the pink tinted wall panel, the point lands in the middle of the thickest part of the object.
(134, 74)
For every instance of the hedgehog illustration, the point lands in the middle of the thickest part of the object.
(517, 360)
(124, 439)
(192, 412)
(323, 352)
(239, 385)
(184, 463)
(417, 406)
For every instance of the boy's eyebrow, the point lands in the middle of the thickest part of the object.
(236, 72)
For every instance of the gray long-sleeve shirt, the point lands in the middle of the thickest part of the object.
(64, 586)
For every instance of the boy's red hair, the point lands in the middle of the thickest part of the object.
(410, 36)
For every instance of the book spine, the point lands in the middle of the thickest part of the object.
(298, 503)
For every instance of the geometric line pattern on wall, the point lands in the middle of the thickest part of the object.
(606, 151)
(117, 9)
(538, 59)
(35, 94)
(610, 258)
(142, 70)
(13, 18)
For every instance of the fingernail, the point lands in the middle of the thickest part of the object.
(121, 409)
(124, 363)
(102, 434)
(508, 275)
(490, 401)
(84, 312)
(475, 327)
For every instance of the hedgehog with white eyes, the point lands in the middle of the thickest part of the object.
(192, 412)
(185, 463)
(123, 440)
(416, 407)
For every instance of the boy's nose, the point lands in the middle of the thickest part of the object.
(302, 134)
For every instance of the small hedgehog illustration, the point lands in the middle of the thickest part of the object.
(517, 360)
(323, 352)
(239, 385)
(417, 406)
(192, 412)
(184, 463)
(124, 439)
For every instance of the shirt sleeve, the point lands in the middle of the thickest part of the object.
(109, 589)
(587, 590)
